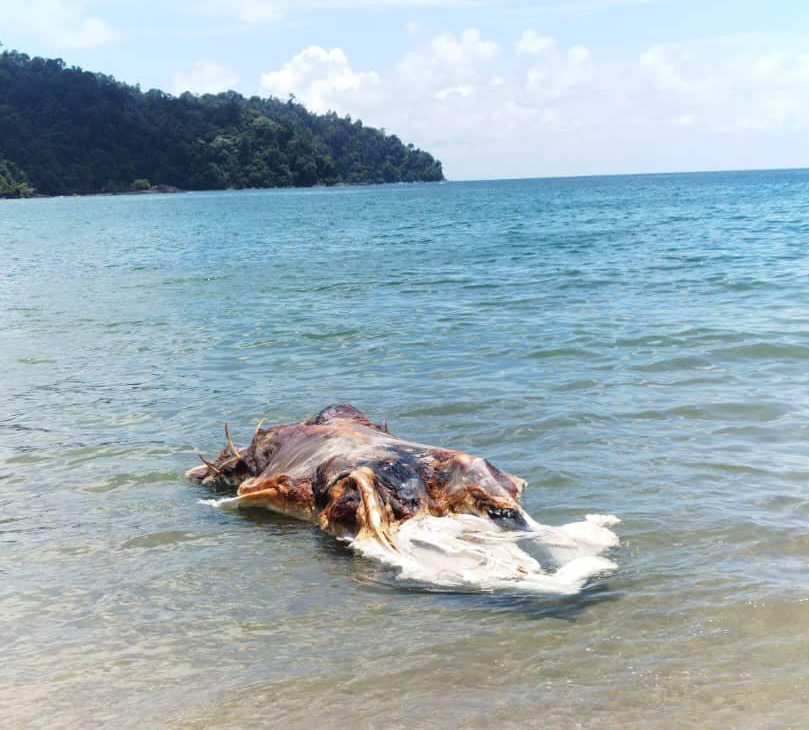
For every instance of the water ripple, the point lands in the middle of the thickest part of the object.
(634, 345)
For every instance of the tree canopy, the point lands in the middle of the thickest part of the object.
(65, 130)
(13, 183)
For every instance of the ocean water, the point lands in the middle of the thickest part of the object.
(630, 345)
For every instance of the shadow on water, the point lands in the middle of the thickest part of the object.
(380, 579)
(537, 606)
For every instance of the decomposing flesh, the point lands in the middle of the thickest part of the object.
(354, 478)
(436, 515)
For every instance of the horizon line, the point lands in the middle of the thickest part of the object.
(717, 171)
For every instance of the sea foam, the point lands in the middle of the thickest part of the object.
(462, 552)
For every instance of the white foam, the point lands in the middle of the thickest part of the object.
(470, 553)
(465, 552)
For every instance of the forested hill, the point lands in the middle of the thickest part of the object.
(65, 130)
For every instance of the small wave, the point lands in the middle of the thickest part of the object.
(738, 411)
(688, 362)
(161, 539)
(553, 352)
(453, 408)
(764, 351)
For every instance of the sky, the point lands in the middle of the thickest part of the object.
(494, 89)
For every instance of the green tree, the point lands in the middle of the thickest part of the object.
(73, 131)
(13, 181)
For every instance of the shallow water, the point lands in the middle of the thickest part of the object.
(630, 345)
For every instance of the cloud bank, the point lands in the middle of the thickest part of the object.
(57, 24)
(469, 98)
(205, 77)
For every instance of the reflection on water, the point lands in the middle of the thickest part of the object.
(636, 346)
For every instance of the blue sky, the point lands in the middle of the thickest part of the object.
(495, 89)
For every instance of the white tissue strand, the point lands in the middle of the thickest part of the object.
(469, 553)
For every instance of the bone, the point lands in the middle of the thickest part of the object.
(215, 469)
(233, 449)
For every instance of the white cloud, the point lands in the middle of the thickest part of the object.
(248, 12)
(447, 60)
(450, 93)
(556, 74)
(319, 78)
(684, 120)
(777, 91)
(370, 4)
(205, 77)
(741, 84)
(463, 90)
(776, 113)
(469, 47)
(582, 6)
(781, 68)
(455, 95)
(522, 113)
(579, 56)
(57, 23)
(531, 43)
(663, 72)
(262, 12)
(564, 110)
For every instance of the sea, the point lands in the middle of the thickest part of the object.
(635, 346)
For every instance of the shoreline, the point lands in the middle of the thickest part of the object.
(171, 190)
(154, 190)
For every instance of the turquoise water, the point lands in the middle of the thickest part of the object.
(630, 345)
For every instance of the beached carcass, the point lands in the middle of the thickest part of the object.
(439, 515)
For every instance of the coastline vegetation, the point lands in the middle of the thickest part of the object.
(64, 130)
(13, 183)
